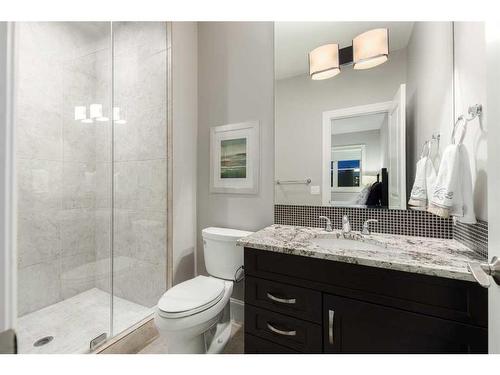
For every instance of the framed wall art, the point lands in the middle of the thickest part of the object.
(234, 158)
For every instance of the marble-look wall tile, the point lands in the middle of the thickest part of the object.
(141, 235)
(38, 133)
(39, 236)
(140, 82)
(143, 137)
(65, 178)
(79, 185)
(39, 285)
(77, 231)
(142, 283)
(141, 185)
(77, 273)
(103, 185)
(78, 141)
(39, 184)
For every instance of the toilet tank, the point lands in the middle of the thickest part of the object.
(222, 257)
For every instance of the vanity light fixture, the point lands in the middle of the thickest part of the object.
(370, 49)
(324, 62)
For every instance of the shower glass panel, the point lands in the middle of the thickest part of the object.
(90, 112)
(140, 169)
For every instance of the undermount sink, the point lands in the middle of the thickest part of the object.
(345, 243)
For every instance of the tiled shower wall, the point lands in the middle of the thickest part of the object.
(57, 68)
(140, 161)
(64, 166)
(404, 222)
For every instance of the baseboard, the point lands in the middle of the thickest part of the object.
(237, 310)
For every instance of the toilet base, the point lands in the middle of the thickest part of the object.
(210, 337)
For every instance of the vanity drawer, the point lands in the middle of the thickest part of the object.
(296, 334)
(457, 300)
(283, 298)
(256, 345)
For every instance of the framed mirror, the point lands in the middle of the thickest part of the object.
(353, 100)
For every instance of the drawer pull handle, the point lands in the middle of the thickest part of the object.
(289, 301)
(281, 332)
(331, 315)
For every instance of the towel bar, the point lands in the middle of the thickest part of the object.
(307, 181)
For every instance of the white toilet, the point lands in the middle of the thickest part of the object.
(194, 315)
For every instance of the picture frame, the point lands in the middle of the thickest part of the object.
(235, 158)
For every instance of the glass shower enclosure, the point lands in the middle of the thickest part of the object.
(91, 123)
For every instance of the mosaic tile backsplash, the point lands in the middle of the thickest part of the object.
(473, 236)
(403, 222)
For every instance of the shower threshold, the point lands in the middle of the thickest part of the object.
(73, 322)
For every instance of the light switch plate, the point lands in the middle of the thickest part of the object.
(315, 190)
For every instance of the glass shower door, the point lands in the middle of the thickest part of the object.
(91, 124)
(64, 153)
(139, 169)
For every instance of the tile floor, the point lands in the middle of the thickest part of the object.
(75, 321)
(234, 346)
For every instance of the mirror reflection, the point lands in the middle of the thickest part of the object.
(348, 96)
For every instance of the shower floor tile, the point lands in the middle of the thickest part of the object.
(75, 321)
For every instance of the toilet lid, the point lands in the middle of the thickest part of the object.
(191, 296)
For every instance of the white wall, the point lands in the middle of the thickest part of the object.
(493, 93)
(7, 265)
(429, 102)
(470, 89)
(300, 103)
(185, 129)
(235, 84)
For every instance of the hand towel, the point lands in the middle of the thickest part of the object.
(425, 178)
(452, 194)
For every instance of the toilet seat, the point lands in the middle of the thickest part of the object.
(191, 297)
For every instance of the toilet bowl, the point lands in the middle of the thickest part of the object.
(194, 316)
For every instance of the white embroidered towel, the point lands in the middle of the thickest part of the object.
(425, 178)
(452, 194)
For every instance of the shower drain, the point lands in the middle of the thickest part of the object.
(43, 341)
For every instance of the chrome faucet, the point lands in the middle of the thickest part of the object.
(366, 226)
(346, 225)
(328, 226)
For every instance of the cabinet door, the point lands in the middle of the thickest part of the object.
(351, 326)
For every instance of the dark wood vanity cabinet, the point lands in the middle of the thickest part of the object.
(297, 304)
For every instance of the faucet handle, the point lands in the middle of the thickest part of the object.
(328, 226)
(366, 226)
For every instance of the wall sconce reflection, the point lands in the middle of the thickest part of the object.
(96, 114)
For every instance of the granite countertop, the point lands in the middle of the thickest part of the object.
(430, 256)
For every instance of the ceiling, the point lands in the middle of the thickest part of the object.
(358, 123)
(294, 40)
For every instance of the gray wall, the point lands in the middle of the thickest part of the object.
(430, 94)
(300, 103)
(470, 88)
(185, 132)
(429, 90)
(235, 83)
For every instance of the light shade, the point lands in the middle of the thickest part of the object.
(370, 48)
(324, 62)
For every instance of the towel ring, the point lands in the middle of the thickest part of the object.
(422, 154)
(474, 111)
(459, 119)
